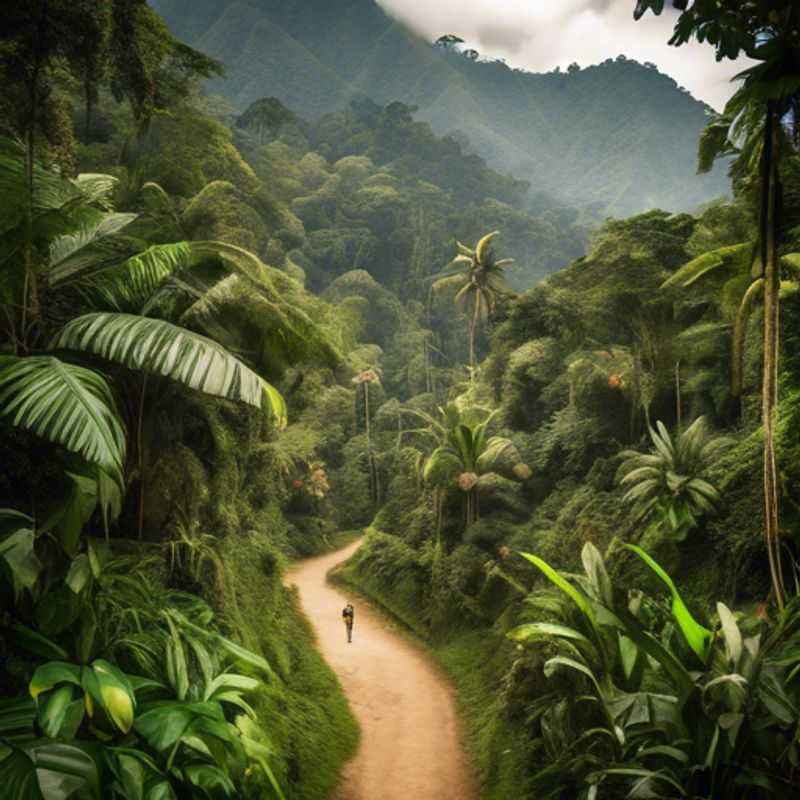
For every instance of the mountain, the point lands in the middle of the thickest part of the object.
(619, 135)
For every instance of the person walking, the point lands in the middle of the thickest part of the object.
(348, 615)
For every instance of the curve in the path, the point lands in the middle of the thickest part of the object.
(411, 747)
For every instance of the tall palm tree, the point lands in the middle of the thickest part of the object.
(480, 278)
(756, 126)
(365, 379)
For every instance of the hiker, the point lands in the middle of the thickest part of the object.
(348, 614)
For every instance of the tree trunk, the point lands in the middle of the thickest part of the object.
(678, 399)
(473, 325)
(30, 291)
(140, 455)
(370, 460)
(439, 508)
(769, 399)
(739, 336)
(89, 104)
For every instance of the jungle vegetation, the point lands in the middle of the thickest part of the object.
(230, 332)
(616, 138)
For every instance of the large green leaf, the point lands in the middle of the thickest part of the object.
(68, 253)
(731, 634)
(52, 674)
(596, 572)
(66, 404)
(116, 694)
(441, 467)
(561, 661)
(697, 637)
(539, 630)
(168, 350)
(60, 715)
(210, 779)
(35, 643)
(164, 724)
(700, 266)
(17, 540)
(17, 716)
(71, 517)
(562, 583)
(498, 455)
(129, 285)
(49, 771)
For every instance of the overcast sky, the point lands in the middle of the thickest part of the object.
(540, 35)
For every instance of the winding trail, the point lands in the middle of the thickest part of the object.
(411, 747)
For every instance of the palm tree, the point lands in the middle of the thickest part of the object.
(754, 127)
(465, 453)
(366, 378)
(667, 486)
(481, 281)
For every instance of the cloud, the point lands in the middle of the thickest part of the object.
(504, 37)
(540, 35)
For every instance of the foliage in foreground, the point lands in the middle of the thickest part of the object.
(651, 704)
(179, 726)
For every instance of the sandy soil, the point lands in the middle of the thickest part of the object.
(411, 746)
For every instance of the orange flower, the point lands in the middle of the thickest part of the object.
(615, 381)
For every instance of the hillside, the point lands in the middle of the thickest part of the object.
(619, 134)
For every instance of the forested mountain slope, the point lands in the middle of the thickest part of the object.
(619, 134)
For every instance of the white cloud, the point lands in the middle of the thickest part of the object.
(540, 35)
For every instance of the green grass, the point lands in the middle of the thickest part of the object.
(303, 716)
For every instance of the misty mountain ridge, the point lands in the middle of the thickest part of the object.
(619, 136)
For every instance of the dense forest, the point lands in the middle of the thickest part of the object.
(612, 138)
(252, 311)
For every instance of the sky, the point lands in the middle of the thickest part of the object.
(539, 35)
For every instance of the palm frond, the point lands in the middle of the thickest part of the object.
(482, 248)
(97, 188)
(448, 281)
(67, 257)
(129, 286)
(714, 143)
(65, 404)
(278, 333)
(700, 266)
(161, 201)
(170, 351)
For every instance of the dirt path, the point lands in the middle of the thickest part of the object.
(410, 733)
